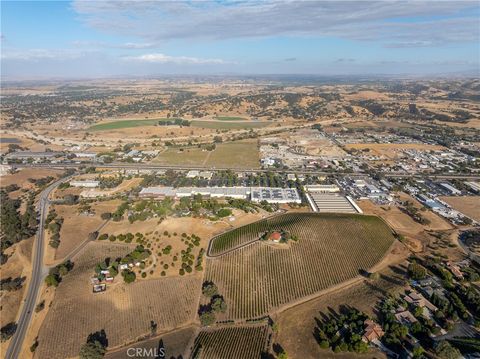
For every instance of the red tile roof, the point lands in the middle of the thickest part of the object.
(275, 236)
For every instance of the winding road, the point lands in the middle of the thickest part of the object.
(39, 271)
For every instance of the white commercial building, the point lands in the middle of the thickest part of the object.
(192, 174)
(322, 188)
(450, 188)
(475, 186)
(275, 195)
(90, 155)
(256, 194)
(85, 183)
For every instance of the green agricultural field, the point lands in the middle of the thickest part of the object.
(226, 125)
(256, 277)
(239, 154)
(230, 118)
(117, 125)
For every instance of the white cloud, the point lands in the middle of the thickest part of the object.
(358, 20)
(40, 54)
(163, 59)
(125, 45)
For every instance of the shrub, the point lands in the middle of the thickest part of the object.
(209, 289)
(207, 318)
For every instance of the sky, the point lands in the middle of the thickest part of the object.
(96, 39)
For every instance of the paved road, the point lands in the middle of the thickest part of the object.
(148, 166)
(39, 271)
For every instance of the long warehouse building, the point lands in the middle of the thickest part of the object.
(255, 194)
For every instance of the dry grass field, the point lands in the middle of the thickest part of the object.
(242, 342)
(258, 278)
(124, 311)
(21, 177)
(123, 187)
(77, 226)
(239, 154)
(391, 150)
(437, 223)
(18, 265)
(414, 233)
(468, 205)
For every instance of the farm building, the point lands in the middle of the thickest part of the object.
(97, 288)
(85, 183)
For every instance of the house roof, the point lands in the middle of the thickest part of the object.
(372, 330)
(275, 236)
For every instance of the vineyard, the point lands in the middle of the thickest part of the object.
(241, 236)
(258, 277)
(124, 311)
(234, 342)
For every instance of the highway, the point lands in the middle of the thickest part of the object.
(149, 166)
(39, 271)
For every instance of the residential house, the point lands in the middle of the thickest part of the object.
(405, 317)
(455, 269)
(419, 300)
(373, 331)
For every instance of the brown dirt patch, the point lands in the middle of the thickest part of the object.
(468, 205)
(391, 150)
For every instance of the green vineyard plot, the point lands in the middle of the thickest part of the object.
(256, 277)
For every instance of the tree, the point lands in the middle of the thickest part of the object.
(209, 289)
(128, 276)
(224, 212)
(324, 344)
(374, 275)
(7, 331)
(207, 318)
(92, 350)
(106, 215)
(416, 271)
(418, 352)
(219, 305)
(51, 280)
(446, 351)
